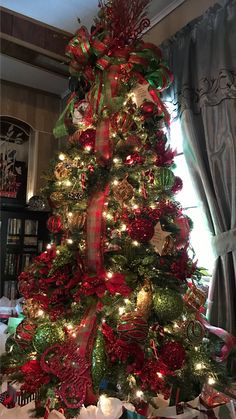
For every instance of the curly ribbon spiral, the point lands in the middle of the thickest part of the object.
(230, 340)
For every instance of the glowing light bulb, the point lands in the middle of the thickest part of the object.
(40, 313)
(69, 214)
(199, 366)
(61, 156)
(68, 183)
(104, 213)
(69, 241)
(135, 206)
(109, 275)
(139, 393)
(127, 301)
(135, 243)
(115, 160)
(121, 310)
(115, 182)
(49, 246)
(69, 326)
(159, 374)
(57, 252)
(211, 380)
(109, 216)
(123, 227)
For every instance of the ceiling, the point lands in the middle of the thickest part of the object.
(62, 14)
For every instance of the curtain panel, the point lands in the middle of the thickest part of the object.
(202, 57)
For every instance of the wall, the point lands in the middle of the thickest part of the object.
(38, 109)
(176, 20)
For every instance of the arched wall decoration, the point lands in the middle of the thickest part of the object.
(18, 160)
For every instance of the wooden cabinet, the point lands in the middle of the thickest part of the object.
(23, 236)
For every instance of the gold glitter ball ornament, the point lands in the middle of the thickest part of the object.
(62, 171)
(123, 191)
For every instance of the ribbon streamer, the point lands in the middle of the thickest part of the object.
(230, 340)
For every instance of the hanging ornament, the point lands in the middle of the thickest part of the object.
(194, 331)
(75, 196)
(164, 179)
(54, 224)
(148, 108)
(144, 299)
(62, 171)
(140, 94)
(195, 297)
(168, 304)
(76, 220)
(133, 328)
(159, 239)
(123, 191)
(178, 185)
(98, 360)
(184, 229)
(87, 139)
(31, 308)
(57, 199)
(82, 116)
(173, 354)
(168, 246)
(46, 335)
(122, 121)
(36, 203)
(141, 230)
(25, 332)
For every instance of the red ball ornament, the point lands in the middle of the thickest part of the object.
(148, 108)
(173, 355)
(54, 224)
(87, 139)
(24, 333)
(184, 230)
(141, 230)
(133, 328)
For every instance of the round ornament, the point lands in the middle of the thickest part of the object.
(25, 332)
(36, 203)
(141, 230)
(57, 199)
(164, 178)
(54, 224)
(31, 308)
(147, 108)
(46, 335)
(194, 331)
(123, 191)
(168, 304)
(133, 328)
(76, 220)
(173, 354)
(87, 139)
(62, 171)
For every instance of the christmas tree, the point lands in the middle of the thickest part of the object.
(113, 306)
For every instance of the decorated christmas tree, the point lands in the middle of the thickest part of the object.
(114, 305)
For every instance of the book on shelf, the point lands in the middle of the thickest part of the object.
(14, 226)
(31, 227)
(12, 264)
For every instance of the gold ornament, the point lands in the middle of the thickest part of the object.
(194, 331)
(57, 199)
(144, 299)
(76, 220)
(123, 191)
(168, 246)
(31, 308)
(159, 238)
(195, 297)
(62, 171)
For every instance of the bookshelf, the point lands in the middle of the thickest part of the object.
(23, 235)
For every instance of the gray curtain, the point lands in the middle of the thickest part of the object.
(202, 57)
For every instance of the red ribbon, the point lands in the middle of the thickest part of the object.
(95, 230)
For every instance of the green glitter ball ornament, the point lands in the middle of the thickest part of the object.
(164, 178)
(167, 304)
(46, 335)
